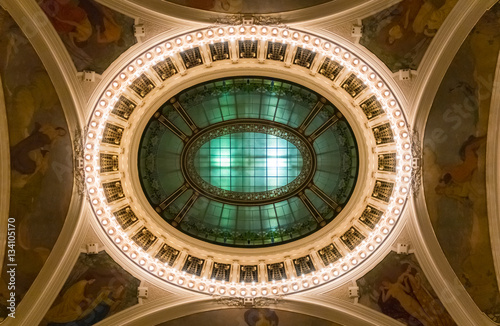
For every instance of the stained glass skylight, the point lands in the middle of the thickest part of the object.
(248, 162)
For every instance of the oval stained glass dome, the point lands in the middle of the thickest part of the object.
(248, 162)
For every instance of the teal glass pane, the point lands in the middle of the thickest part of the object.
(248, 162)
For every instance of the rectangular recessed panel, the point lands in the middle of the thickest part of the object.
(304, 57)
(303, 265)
(383, 190)
(124, 108)
(221, 272)
(372, 108)
(165, 69)
(353, 85)
(276, 272)
(167, 255)
(113, 191)
(352, 238)
(248, 49)
(387, 162)
(383, 134)
(329, 254)
(112, 134)
(248, 273)
(144, 238)
(193, 265)
(371, 216)
(108, 162)
(330, 68)
(219, 51)
(125, 217)
(191, 58)
(276, 51)
(142, 85)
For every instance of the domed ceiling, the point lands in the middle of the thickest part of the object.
(320, 162)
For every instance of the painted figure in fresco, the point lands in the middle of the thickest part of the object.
(400, 292)
(261, 317)
(412, 280)
(30, 154)
(79, 309)
(455, 181)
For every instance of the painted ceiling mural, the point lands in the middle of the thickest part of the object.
(96, 288)
(249, 317)
(400, 34)
(241, 6)
(398, 288)
(93, 34)
(40, 156)
(455, 162)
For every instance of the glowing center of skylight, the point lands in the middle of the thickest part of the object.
(248, 162)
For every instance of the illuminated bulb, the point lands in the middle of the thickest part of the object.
(243, 292)
(232, 291)
(285, 289)
(151, 268)
(345, 267)
(98, 212)
(142, 262)
(88, 157)
(362, 255)
(295, 35)
(231, 30)
(201, 287)
(116, 84)
(307, 38)
(285, 33)
(158, 49)
(346, 55)
(253, 29)
(92, 190)
(211, 289)
(131, 68)
(109, 93)
(404, 190)
(406, 179)
(387, 93)
(90, 135)
(170, 277)
(149, 55)
(295, 286)
(373, 75)
(123, 76)
(180, 281)
(210, 33)
(378, 239)
(317, 41)
(380, 84)
(90, 179)
(337, 50)
(242, 29)
(274, 290)
(105, 222)
(139, 62)
(133, 255)
(400, 201)
(274, 31)
(401, 124)
(264, 291)
(406, 146)
(95, 201)
(335, 273)
(125, 248)
(327, 45)
(391, 221)
(404, 134)
(222, 290)
(263, 30)
(93, 124)
(190, 284)
(364, 68)
(189, 38)
(371, 247)
(407, 168)
(199, 35)
(397, 113)
(88, 168)
(315, 281)
(305, 284)
(396, 211)
(385, 231)
(178, 41)
(326, 277)
(111, 231)
(161, 273)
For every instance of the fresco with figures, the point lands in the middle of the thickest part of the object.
(96, 288)
(400, 34)
(454, 162)
(398, 288)
(249, 317)
(40, 157)
(241, 6)
(93, 34)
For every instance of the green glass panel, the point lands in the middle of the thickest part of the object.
(248, 162)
